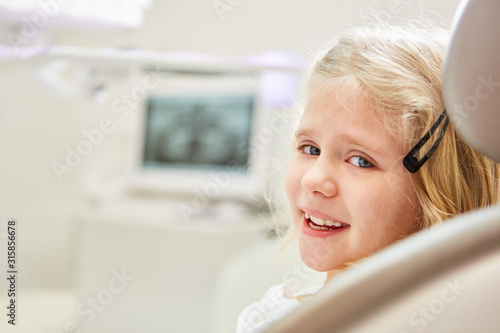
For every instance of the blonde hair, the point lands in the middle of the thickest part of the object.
(399, 70)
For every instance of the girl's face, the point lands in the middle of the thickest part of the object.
(349, 192)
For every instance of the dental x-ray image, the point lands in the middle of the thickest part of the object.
(196, 132)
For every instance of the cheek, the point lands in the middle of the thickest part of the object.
(386, 215)
(405, 199)
(409, 213)
(292, 187)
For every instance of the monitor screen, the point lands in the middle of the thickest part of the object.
(198, 131)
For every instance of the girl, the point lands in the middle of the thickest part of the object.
(376, 158)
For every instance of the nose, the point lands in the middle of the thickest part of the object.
(320, 179)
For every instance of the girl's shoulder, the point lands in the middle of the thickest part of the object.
(277, 302)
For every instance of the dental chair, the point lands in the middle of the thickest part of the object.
(446, 279)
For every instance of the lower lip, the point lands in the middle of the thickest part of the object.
(307, 230)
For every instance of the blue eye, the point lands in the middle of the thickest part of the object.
(360, 162)
(310, 150)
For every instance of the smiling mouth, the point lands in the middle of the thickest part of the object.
(317, 223)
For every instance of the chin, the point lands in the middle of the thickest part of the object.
(315, 262)
(331, 269)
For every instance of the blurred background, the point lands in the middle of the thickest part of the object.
(109, 241)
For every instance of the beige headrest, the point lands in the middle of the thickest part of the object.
(471, 81)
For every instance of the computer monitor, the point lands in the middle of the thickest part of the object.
(196, 136)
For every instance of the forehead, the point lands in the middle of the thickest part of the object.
(343, 111)
(334, 103)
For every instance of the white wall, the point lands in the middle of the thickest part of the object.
(252, 26)
(36, 124)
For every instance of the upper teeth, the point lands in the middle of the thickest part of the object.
(319, 221)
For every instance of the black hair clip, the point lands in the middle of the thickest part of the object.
(410, 161)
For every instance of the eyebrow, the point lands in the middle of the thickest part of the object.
(360, 142)
(304, 132)
(345, 138)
